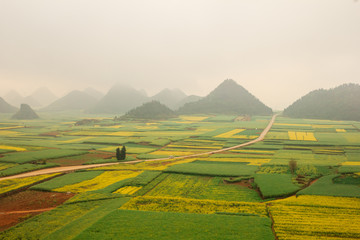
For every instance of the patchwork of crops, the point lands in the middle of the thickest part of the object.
(185, 205)
(13, 184)
(227, 195)
(212, 168)
(103, 180)
(188, 186)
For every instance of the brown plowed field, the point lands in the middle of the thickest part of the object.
(20, 206)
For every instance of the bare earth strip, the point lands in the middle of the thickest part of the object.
(28, 211)
(73, 168)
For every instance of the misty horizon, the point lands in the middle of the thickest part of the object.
(279, 51)
(58, 96)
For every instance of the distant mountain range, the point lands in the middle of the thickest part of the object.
(119, 99)
(170, 98)
(6, 107)
(228, 98)
(340, 103)
(94, 93)
(75, 100)
(39, 98)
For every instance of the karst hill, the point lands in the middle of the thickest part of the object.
(340, 103)
(228, 98)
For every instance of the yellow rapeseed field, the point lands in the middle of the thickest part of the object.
(13, 127)
(77, 140)
(18, 149)
(351, 163)
(302, 136)
(103, 180)
(230, 134)
(316, 217)
(129, 190)
(12, 184)
(6, 165)
(9, 133)
(186, 205)
(340, 130)
(193, 118)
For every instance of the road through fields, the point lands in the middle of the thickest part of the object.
(73, 168)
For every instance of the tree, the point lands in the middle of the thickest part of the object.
(123, 153)
(292, 165)
(118, 155)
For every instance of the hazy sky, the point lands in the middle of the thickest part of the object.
(278, 49)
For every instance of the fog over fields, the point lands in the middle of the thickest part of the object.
(279, 50)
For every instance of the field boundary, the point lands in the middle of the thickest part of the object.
(73, 168)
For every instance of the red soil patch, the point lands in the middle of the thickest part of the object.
(79, 160)
(23, 205)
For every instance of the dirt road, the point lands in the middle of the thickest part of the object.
(27, 211)
(73, 168)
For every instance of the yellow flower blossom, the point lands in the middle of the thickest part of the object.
(129, 190)
(230, 134)
(18, 149)
(12, 184)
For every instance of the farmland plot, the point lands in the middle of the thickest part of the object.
(166, 225)
(187, 186)
(316, 217)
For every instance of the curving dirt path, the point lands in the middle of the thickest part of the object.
(73, 168)
(27, 211)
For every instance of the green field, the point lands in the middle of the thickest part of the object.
(161, 225)
(275, 185)
(213, 168)
(189, 186)
(236, 194)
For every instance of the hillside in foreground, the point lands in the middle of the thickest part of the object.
(228, 98)
(340, 103)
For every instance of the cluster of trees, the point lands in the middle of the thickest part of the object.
(121, 154)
